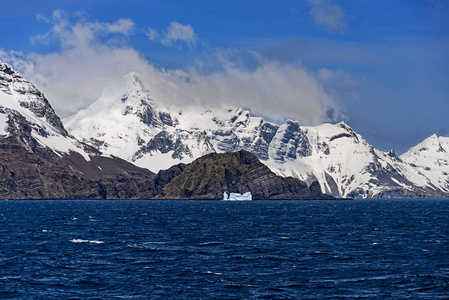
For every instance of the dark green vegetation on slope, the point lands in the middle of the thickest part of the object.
(209, 176)
(39, 159)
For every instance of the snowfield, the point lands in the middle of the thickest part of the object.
(127, 122)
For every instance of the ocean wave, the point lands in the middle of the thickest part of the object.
(79, 241)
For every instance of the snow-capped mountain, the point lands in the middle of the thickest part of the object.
(127, 122)
(40, 159)
(431, 158)
(24, 110)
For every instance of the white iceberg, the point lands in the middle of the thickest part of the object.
(237, 197)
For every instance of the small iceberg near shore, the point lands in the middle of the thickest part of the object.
(237, 197)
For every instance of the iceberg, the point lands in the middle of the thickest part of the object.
(237, 197)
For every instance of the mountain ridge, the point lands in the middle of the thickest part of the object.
(39, 159)
(144, 132)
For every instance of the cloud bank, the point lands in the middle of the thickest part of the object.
(90, 58)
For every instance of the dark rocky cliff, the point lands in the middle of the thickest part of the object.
(29, 175)
(40, 174)
(31, 170)
(40, 160)
(209, 176)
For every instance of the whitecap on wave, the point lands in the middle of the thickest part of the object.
(212, 273)
(78, 241)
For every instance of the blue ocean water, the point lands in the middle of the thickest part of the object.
(224, 250)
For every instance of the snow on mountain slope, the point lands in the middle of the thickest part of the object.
(431, 158)
(127, 122)
(24, 108)
(346, 165)
(123, 121)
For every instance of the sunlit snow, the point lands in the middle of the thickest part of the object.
(3, 124)
(127, 122)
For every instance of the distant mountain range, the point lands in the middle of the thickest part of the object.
(39, 159)
(127, 145)
(129, 123)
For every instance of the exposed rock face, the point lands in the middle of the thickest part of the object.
(209, 176)
(40, 174)
(40, 160)
(28, 96)
(126, 122)
(345, 165)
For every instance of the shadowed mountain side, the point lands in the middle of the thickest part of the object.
(132, 122)
(39, 159)
(209, 176)
(40, 174)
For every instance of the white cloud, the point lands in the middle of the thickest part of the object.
(123, 26)
(82, 32)
(42, 18)
(327, 15)
(338, 78)
(274, 90)
(178, 32)
(75, 76)
(175, 34)
(152, 33)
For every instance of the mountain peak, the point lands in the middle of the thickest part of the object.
(23, 97)
(432, 142)
(7, 69)
(345, 126)
(432, 139)
(432, 159)
(142, 131)
(133, 79)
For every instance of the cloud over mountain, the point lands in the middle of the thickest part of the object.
(93, 54)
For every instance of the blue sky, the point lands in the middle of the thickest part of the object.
(381, 66)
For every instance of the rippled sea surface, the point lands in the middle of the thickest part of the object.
(218, 249)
